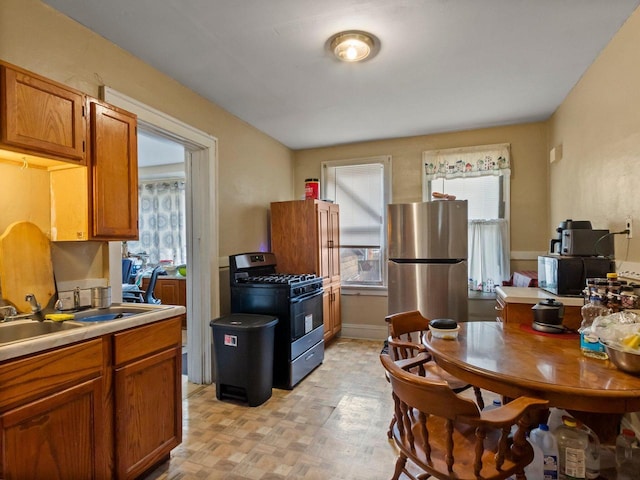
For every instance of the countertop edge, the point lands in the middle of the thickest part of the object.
(532, 295)
(66, 337)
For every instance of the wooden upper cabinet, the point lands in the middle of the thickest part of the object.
(304, 237)
(41, 117)
(113, 187)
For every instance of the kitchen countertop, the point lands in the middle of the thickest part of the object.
(92, 330)
(532, 295)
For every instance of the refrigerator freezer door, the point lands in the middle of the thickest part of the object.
(437, 290)
(428, 230)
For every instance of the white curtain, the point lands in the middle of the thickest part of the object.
(162, 222)
(488, 254)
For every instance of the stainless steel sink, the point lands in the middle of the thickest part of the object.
(113, 312)
(25, 329)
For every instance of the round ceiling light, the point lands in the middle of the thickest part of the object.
(353, 46)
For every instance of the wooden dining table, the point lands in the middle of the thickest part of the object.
(514, 360)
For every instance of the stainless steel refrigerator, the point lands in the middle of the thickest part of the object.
(427, 271)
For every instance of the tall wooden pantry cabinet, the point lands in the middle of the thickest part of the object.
(305, 238)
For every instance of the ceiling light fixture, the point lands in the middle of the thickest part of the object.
(353, 45)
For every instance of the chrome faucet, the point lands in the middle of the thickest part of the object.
(35, 306)
(7, 312)
(76, 298)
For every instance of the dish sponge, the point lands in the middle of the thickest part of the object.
(59, 317)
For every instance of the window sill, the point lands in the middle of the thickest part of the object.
(365, 291)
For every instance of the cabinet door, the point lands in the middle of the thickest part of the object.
(336, 316)
(334, 243)
(148, 411)
(332, 319)
(57, 437)
(167, 291)
(114, 173)
(41, 116)
(326, 314)
(324, 241)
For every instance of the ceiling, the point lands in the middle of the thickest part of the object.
(443, 65)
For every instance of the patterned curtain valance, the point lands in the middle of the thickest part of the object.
(467, 161)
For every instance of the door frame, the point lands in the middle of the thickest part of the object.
(201, 162)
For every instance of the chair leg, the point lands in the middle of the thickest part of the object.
(401, 463)
(479, 398)
(391, 424)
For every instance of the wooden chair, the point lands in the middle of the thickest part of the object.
(406, 330)
(448, 437)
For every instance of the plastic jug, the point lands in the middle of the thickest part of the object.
(533, 471)
(495, 404)
(546, 442)
(593, 452)
(627, 467)
(572, 450)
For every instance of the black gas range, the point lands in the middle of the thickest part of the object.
(296, 299)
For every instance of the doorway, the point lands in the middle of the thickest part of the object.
(162, 222)
(203, 302)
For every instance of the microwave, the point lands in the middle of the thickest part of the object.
(567, 276)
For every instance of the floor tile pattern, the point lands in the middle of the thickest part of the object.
(333, 425)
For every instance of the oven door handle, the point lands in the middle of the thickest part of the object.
(307, 296)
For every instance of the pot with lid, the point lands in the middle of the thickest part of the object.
(548, 315)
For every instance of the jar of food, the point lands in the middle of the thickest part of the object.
(311, 188)
(628, 299)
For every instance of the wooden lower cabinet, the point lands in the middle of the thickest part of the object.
(331, 311)
(508, 312)
(148, 398)
(105, 408)
(52, 414)
(56, 437)
(170, 291)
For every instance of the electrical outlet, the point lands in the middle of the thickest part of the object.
(629, 227)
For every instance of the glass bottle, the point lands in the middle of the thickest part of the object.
(589, 343)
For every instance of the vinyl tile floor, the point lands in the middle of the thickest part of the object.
(333, 425)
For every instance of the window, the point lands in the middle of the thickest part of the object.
(162, 222)
(362, 188)
(481, 176)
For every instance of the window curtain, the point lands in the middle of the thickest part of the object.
(161, 222)
(489, 254)
(489, 239)
(467, 161)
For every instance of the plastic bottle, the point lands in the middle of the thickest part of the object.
(495, 404)
(572, 450)
(542, 438)
(534, 470)
(593, 452)
(626, 465)
(590, 344)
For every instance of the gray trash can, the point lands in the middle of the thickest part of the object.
(243, 354)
